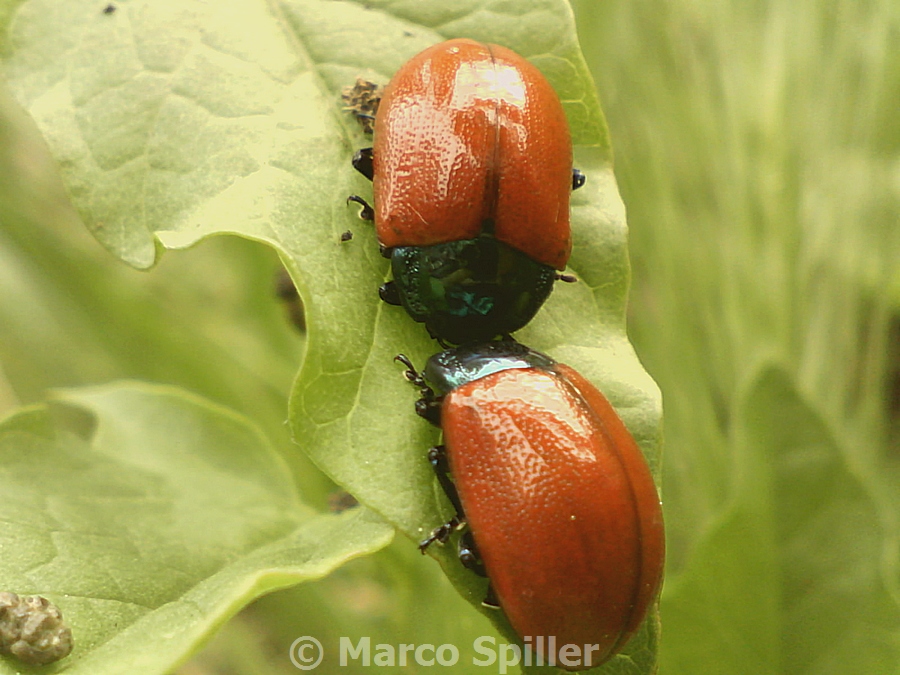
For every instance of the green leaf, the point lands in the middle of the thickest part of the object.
(150, 517)
(800, 573)
(205, 319)
(836, 536)
(176, 120)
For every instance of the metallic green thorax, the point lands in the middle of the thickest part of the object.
(470, 290)
(455, 367)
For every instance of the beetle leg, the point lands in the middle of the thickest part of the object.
(429, 405)
(490, 599)
(367, 212)
(577, 177)
(388, 293)
(468, 554)
(440, 534)
(429, 408)
(362, 162)
(437, 457)
(412, 374)
(567, 278)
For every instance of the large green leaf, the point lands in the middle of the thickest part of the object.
(836, 534)
(799, 574)
(150, 517)
(175, 120)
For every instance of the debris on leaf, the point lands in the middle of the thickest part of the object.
(32, 629)
(362, 99)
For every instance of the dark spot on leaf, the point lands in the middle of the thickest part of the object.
(293, 305)
(340, 501)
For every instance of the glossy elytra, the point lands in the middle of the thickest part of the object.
(556, 498)
(472, 171)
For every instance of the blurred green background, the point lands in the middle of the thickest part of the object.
(758, 153)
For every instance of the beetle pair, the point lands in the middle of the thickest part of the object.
(554, 499)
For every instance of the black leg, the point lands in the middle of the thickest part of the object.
(468, 554)
(440, 534)
(437, 457)
(490, 599)
(362, 162)
(428, 406)
(388, 293)
(367, 213)
(577, 177)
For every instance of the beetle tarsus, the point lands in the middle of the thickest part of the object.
(367, 212)
(440, 534)
(404, 359)
(413, 375)
(428, 406)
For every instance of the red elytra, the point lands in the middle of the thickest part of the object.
(561, 504)
(470, 136)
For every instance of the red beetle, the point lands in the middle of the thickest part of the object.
(468, 132)
(555, 493)
(471, 170)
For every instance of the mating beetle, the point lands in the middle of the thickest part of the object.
(472, 171)
(558, 503)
